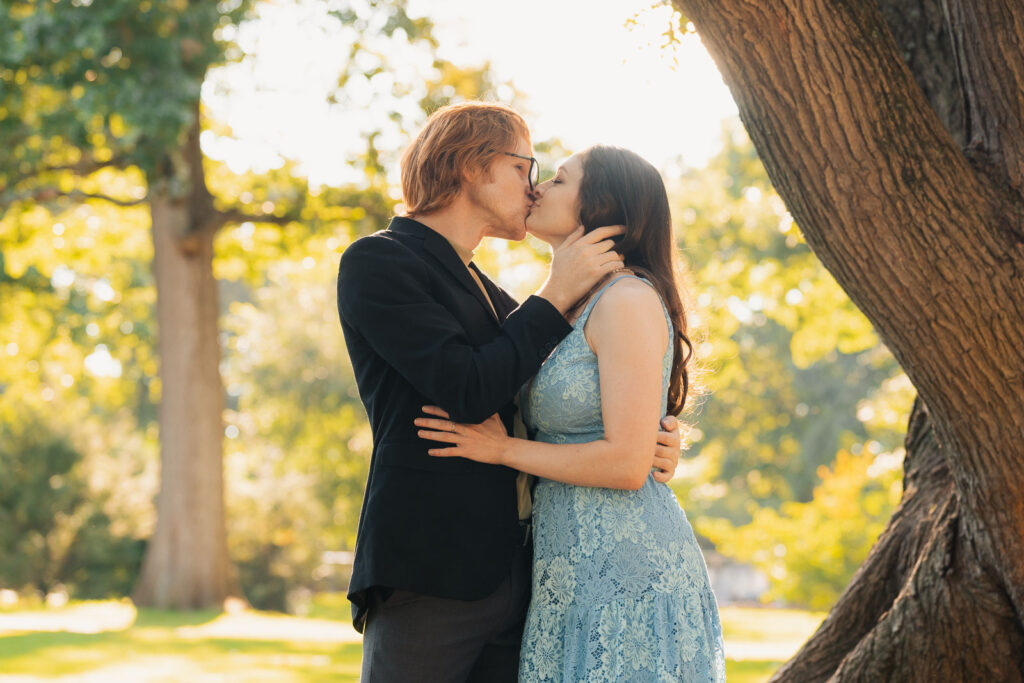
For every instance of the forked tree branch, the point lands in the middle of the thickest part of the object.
(49, 194)
(215, 219)
(238, 216)
(83, 167)
(984, 33)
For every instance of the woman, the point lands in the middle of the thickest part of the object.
(620, 589)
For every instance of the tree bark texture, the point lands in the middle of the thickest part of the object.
(186, 564)
(893, 131)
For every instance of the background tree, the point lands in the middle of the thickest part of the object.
(124, 93)
(88, 89)
(893, 131)
(108, 167)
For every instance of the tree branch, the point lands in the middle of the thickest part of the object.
(901, 217)
(922, 34)
(86, 166)
(984, 32)
(215, 219)
(113, 200)
(238, 216)
(49, 194)
(83, 167)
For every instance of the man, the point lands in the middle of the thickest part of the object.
(442, 563)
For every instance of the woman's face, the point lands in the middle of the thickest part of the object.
(555, 213)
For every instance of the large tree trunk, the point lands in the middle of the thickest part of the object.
(894, 131)
(186, 564)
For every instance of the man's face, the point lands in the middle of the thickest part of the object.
(502, 193)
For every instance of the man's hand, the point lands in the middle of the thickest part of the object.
(666, 454)
(579, 263)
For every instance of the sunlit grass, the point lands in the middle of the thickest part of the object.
(759, 640)
(752, 671)
(769, 624)
(157, 645)
(330, 606)
(174, 646)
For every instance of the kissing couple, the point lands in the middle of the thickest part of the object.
(516, 523)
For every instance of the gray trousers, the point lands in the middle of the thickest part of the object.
(410, 637)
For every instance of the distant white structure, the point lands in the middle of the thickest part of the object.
(335, 570)
(732, 581)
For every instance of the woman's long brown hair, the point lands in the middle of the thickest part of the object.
(619, 187)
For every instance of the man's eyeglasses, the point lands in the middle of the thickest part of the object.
(534, 174)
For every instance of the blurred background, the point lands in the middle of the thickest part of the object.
(794, 441)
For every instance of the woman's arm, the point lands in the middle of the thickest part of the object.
(628, 333)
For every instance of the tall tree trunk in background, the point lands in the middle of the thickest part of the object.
(894, 131)
(186, 564)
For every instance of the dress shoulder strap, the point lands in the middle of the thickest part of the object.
(582, 320)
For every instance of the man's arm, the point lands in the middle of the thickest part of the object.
(666, 453)
(383, 293)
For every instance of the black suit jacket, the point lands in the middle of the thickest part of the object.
(419, 332)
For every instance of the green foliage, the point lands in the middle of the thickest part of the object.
(273, 538)
(810, 550)
(677, 26)
(792, 374)
(458, 84)
(53, 529)
(88, 82)
(121, 92)
(785, 358)
(84, 328)
(298, 448)
(101, 563)
(78, 348)
(37, 485)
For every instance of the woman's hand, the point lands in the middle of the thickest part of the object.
(485, 442)
(579, 263)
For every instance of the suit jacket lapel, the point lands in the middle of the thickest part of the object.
(439, 247)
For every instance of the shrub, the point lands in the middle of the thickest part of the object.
(53, 530)
(811, 550)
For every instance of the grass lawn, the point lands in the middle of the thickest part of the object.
(111, 641)
(758, 640)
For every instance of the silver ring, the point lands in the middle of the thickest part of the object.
(452, 430)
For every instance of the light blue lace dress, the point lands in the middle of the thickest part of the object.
(620, 588)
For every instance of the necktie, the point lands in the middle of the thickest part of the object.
(523, 480)
(480, 284)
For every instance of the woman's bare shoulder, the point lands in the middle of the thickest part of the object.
(627, 293)
(628, 306)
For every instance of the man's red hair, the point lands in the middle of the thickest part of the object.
(457, 140)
